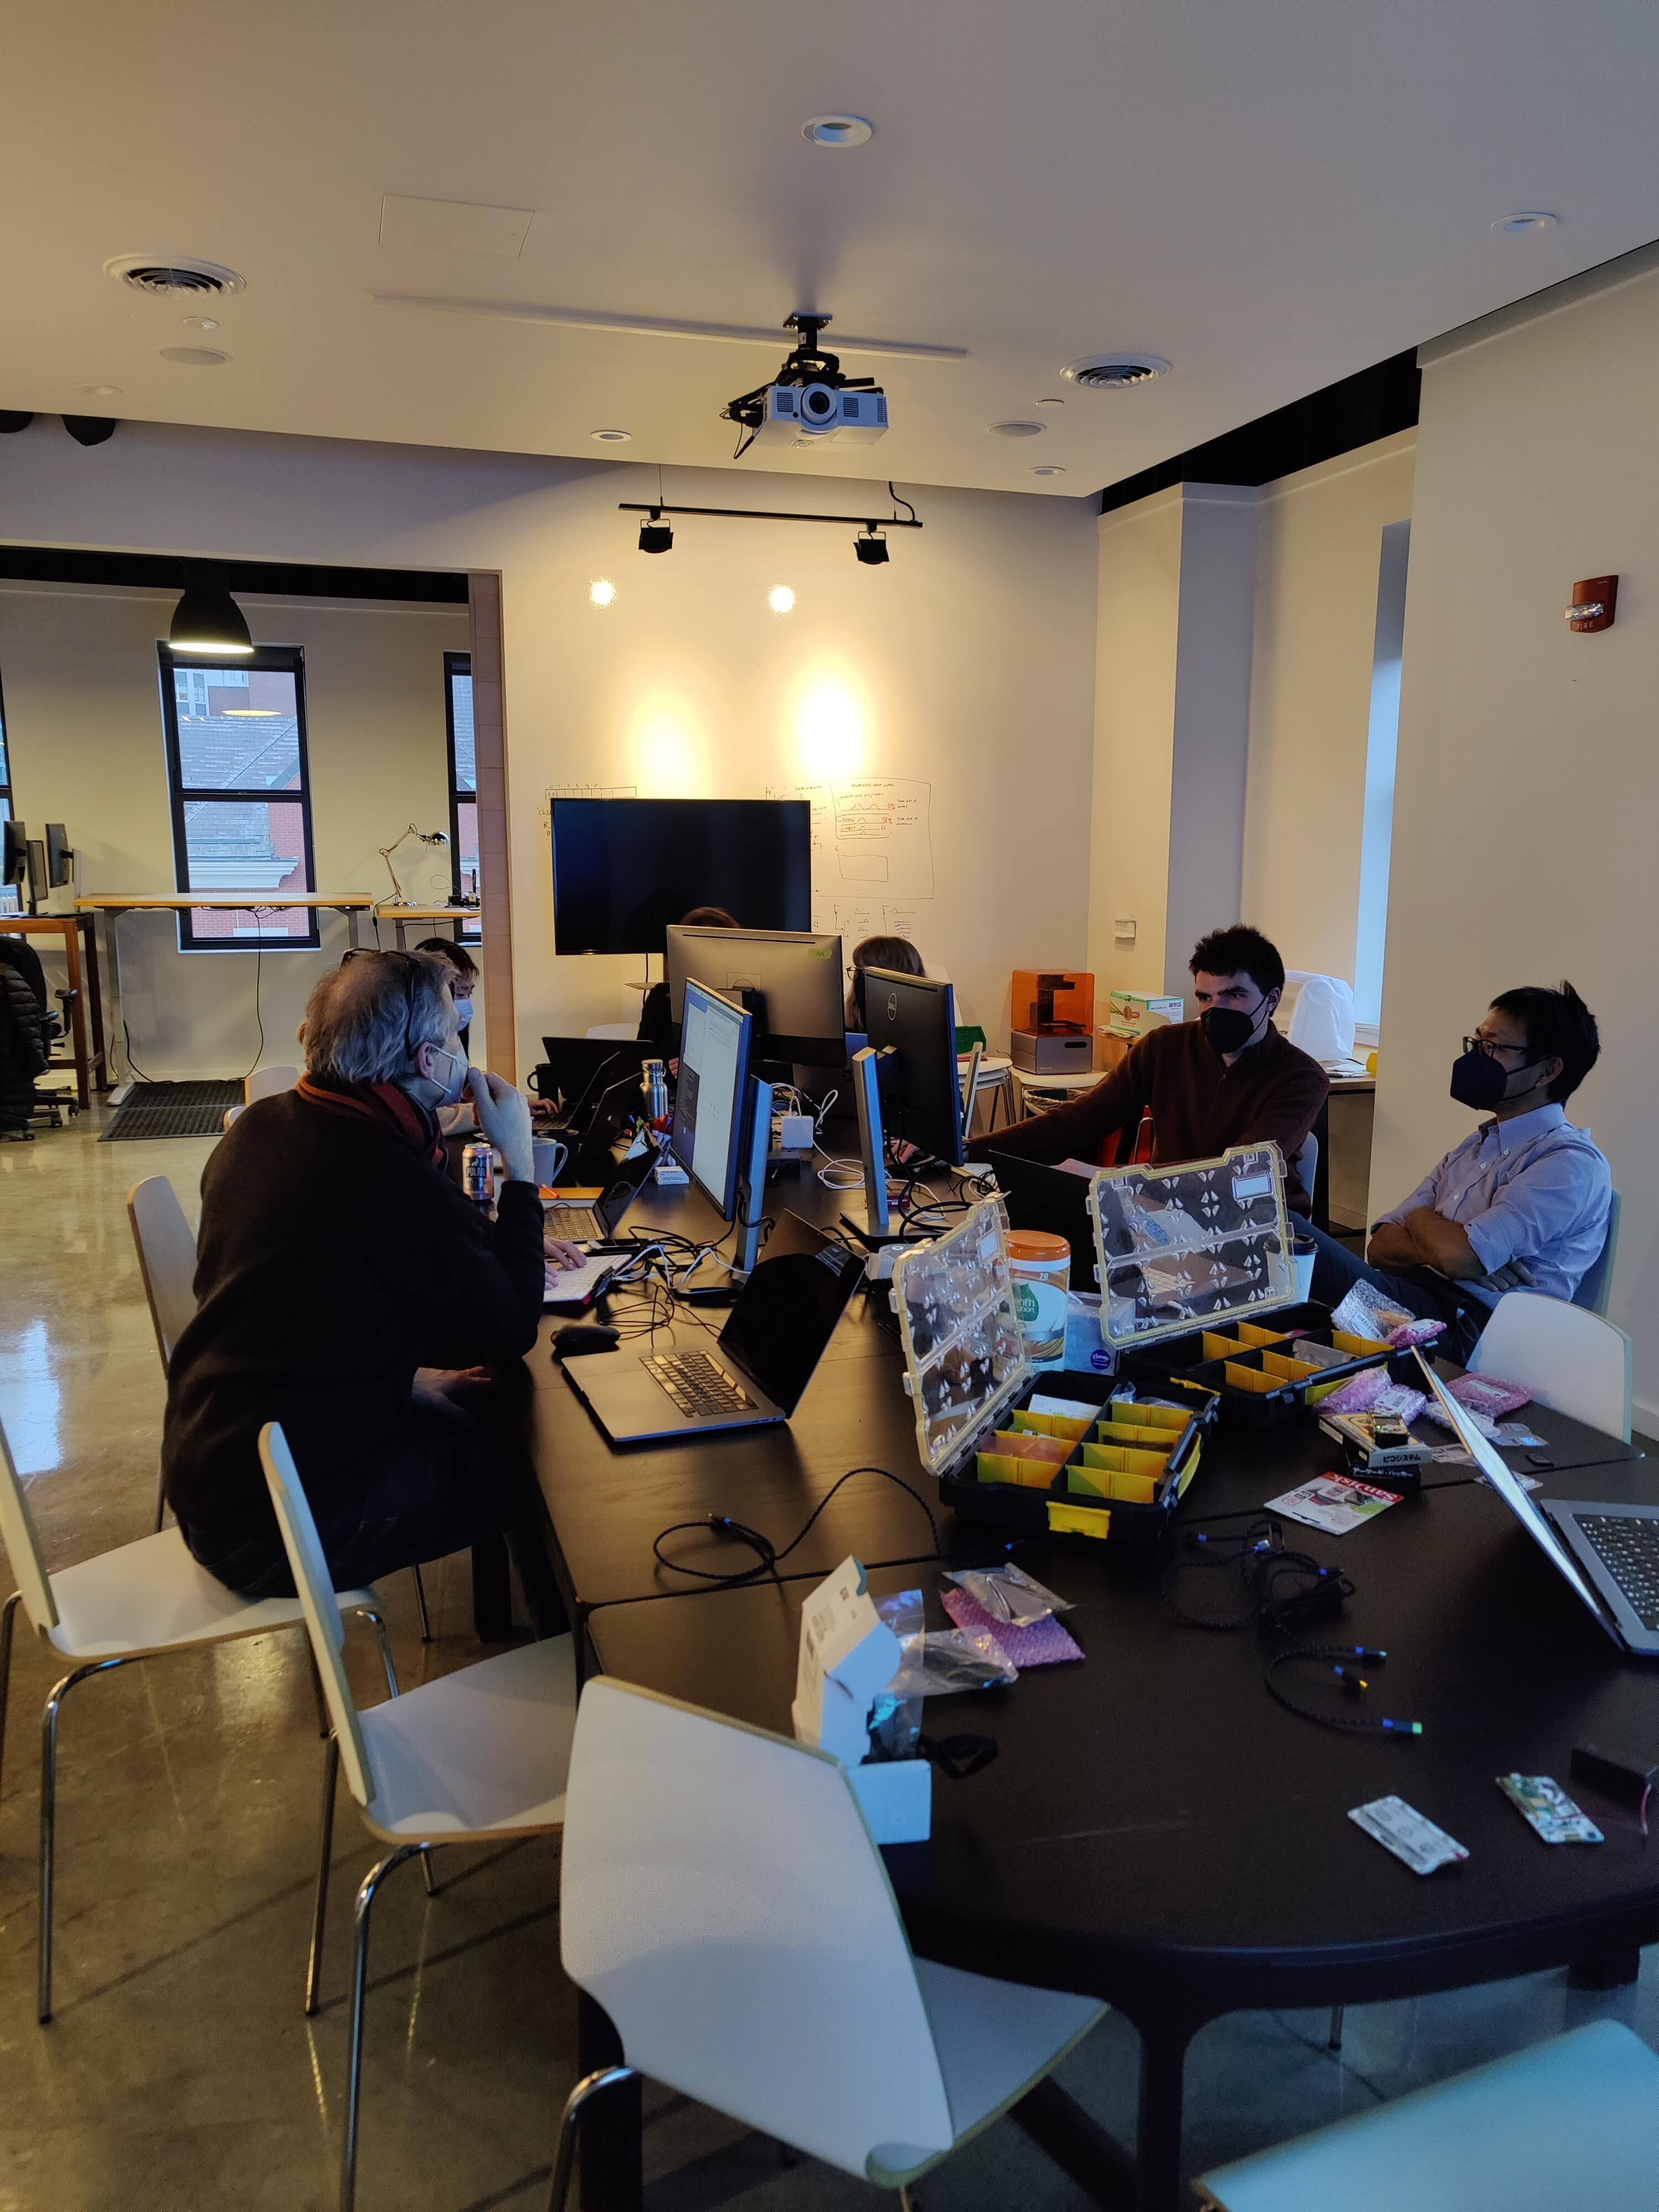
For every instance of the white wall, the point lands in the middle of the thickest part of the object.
(1529, 775)
(967, 663)
(83, 721)
(1319, 547)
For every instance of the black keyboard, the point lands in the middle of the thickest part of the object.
(1629, 1550)
(577, 1224)
(697, 1382)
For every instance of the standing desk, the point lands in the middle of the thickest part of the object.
(80, 939)
(401, 916)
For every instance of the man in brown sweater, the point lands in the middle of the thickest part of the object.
(1227, 1078)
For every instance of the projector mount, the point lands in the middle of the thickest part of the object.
(807, 364)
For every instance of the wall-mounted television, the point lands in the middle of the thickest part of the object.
(624, 868)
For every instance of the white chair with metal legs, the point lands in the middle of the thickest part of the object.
(1574, 2122)
(166, 1262)
(477, 1756)
(1570, 1358)
(136, 1603)
(722, 1899)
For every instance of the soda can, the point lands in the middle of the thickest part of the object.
(478, 1173)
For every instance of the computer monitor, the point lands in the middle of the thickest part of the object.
(708, 1131)
(797, 974)
(921, 1093)
(60, 856)
(624, 868)
(13, 854)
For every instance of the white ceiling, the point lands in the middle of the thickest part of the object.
(1272, 193)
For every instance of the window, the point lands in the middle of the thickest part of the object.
(10, 902)
(463, 783)
(241, 795)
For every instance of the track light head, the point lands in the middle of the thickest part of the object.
(207, 620)
(656, 536)
(871, 546)
(13, 418)
(90, 429)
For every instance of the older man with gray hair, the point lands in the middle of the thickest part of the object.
(337, 1268)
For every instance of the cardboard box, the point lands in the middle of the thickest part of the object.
(1111, 1050)
(1063, 997)
(1131, 1013)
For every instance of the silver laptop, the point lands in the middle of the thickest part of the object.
(582, 1224)
(1607, 1555)
(760, 1365)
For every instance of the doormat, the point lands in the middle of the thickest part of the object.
(172, 1110)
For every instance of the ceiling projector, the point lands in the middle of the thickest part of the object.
(809, 400)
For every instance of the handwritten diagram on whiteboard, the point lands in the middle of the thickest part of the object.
(872, 834)
(582, 791)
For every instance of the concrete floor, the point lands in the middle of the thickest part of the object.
(180, 2070)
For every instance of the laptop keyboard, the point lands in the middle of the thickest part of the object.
(577, 1224)
(1629, 1550)
(697, 1382)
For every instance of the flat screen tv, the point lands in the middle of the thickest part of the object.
(624, 868)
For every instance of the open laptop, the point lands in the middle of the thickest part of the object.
(579, 1223)
(1607, 1555)
(765, 1356)
(1038, 1196)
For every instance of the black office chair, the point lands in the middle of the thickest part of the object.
(28, 1030)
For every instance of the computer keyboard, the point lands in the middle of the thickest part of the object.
(577, 1224)
(1629, 1550)
(697, 1382)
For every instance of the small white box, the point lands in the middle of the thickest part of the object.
(897, 1797)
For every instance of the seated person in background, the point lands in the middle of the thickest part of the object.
(463, 982)
(1522, 1203)
(342, 1281)
(896, 953)
(1227, 1078)
(657, 1025)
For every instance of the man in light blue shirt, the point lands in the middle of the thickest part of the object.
(1521, 1204)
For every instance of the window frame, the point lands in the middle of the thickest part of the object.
(287, 659)
(11, 898)
(469, 932)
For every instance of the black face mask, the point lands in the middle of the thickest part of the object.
(1227, 1029)
(1479, 1081)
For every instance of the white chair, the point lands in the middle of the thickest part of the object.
(1569, 1359)
(721, 1898)
(132, 1603)
(618, 1032)
(166, 1262)
(476, 1756)
(264, 1083)
(1594, 1290)
(1572, 2123)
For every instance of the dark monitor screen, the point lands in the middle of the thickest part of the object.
(59, 858)
(14, 852)
(624, 868)
(921, 1093)
(796, 975)
(708, 1099)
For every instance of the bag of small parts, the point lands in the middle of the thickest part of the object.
(1029, 1452)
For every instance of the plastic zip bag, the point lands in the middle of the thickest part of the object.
(1007, 1593)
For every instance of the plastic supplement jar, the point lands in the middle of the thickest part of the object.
(1041, 1266)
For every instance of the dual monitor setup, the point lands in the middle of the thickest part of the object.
(626, 869)
(37, 865)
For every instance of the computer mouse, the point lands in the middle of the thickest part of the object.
(582, 1338)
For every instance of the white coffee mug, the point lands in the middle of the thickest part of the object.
(551, 1157)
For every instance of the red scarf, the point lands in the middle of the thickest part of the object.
(385, 1107)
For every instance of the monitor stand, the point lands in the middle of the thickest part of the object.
(872, 1222)
(751, 1179)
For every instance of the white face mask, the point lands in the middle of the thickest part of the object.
(463, 1012)
(452, 1087)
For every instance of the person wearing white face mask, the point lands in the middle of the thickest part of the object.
(347, 1289)
(463, 983)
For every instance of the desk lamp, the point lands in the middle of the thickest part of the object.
(427, 837)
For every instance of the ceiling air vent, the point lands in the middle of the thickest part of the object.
(184, 277)
(1115, 372)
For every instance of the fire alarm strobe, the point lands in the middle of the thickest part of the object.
(1593, 600)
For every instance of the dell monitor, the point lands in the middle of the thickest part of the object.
(60, 857)
(796, 974)
(708, 1102)
(920, 1091)
(624, 868)
(13, 854)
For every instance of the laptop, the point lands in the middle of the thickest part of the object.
(1055, 1199)
(579, 1068)
(1607, 1555)
(579, 1222)
(765, 1357)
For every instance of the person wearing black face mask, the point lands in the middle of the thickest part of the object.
(1521, 1204)
(1228, 1078)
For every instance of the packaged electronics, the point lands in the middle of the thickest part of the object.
(1131, 1014)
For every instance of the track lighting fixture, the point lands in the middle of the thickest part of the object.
(207, 619)
(871, 546)
(656, 536)
(90, 429)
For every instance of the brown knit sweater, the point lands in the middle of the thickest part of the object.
(1200, 1105)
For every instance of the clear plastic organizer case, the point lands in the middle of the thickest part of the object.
(1114, 1467)
(1178, 1247)
(1262, 1372)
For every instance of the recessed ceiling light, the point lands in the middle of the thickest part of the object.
(1527, 219)
(194, 356)
(1051, 403)
(1114, 371)
(601, 592)
(1017, 429)
(837, 131)
(201, 322)
(100, 391)
(781, 598)
(1048, 469)
(611, 437)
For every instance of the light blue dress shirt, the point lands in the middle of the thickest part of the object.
(1532, 1189)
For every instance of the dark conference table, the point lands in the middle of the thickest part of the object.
(1156, 1831)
